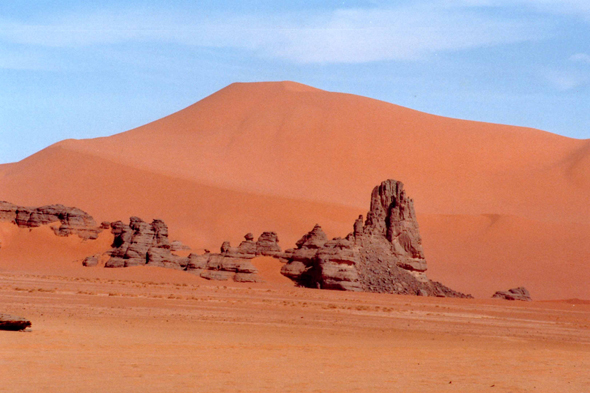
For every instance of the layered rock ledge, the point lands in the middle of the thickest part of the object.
(235, 262)
(382, 254)
(73, 221)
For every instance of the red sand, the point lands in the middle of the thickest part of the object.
(130, 335)
(499, 206)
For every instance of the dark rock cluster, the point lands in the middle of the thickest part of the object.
(141, 243)
(383, 254)
(520, 293)
(73, 221)
(235, 262)
(147, 244)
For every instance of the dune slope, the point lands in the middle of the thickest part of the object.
(283, 156)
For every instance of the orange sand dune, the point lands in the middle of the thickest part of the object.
(486, 253)
(499, 205)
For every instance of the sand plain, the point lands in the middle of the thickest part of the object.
(158, 330)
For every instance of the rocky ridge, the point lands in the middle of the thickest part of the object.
(382, 254)
(147, 244)
(235, 262)
(73, 221)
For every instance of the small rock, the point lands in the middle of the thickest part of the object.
(520, 293)
(14, 323)
(91, 261)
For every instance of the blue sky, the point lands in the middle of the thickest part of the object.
(71, 69)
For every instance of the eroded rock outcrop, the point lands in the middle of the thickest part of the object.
(383, 254)
(14, 323)
(235, 263)
(73, 221)
(141, 243)
(520, 293)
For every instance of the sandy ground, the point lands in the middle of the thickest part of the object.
(154, 334)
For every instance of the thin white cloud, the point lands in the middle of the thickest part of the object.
(340, 36)
(573, 8)
(580, 7)
(581, 58)
(565, 80)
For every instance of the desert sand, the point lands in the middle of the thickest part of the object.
(158, 330)
(498, 207)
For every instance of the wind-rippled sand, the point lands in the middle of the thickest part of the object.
(156, 333)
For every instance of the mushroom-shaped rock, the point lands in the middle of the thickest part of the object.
(267, 244)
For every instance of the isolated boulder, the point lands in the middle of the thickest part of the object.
(91, 261)
(382, 254)
(14, 323)
(520, 293)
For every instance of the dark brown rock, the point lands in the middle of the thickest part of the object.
(14, 323)
(382, 255)
(336, 266)
(73, 221)
(234, 262)
(196, 263)
(8, 212)
(246, 249)
(520, 293)
(217, 275)
(91, 261)
(177, 245)
(316, 238)
(246, 277)
(267, 244)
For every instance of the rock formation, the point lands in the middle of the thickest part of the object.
(14, 323)
(140, 243)
(383, 254)
(235, 262)
(73, 221)
(520, 293)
